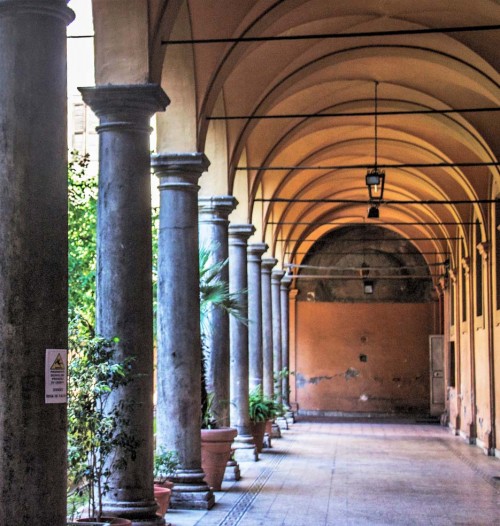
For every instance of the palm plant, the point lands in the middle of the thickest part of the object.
(214, 294)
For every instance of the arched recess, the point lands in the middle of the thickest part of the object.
(239, 188)
(373, 291)
(121, 41)
(177, 128)
(215, 181)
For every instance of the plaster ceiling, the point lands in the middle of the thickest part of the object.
(440, 71)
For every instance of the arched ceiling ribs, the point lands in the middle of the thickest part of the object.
(353, 62)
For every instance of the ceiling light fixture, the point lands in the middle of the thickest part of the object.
(375, 178)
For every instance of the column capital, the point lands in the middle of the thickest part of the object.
(255, 251)
(267, 264)
(286, 281)
(239, 234)
(116, 104)
(276, 275)
(293, 294)
(179, 170)
(180, 162)
(216, 208)
(55, 8)
(484, 249)
(466, 264)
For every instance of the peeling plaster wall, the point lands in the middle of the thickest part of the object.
(363, 357)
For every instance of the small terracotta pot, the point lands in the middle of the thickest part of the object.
(162, 498)
(215, 454)
(258, 431)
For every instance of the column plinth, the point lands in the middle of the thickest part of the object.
(256, 364)
(34, 248)
(213, 215)
(238, 331)
(124, 284)
(178, 412)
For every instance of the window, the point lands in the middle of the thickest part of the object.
(463, 274)
(451, 365)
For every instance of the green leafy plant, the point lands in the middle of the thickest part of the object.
(261, 407)
(82, 223)
(166, 463)
(99, 443)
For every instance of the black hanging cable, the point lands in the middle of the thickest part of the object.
(352, 114)
(376, 122)
(384, 202)
(321, 36)
(366, 166)
(380, 223)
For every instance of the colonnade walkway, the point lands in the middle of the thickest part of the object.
(359, 473)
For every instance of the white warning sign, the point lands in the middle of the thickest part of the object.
(56, 368)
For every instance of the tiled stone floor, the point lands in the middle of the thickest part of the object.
(359, 473)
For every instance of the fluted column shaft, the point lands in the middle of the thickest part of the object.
(213, 224)
(178, 412)
(285, 337)
(267, 326)
(33, 266)
(124, 262)
(256, 364)
(238, 331)
(277, 351)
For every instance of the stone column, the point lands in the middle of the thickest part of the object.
(124, 295)
(238, 331)
(285, 337)
(178, 411)
(33, 263)
(267, 327)
(256, 364)
(277, 351)
(213, 224)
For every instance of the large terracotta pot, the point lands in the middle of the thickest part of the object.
(215, 453)
(162, 498)
(258, 431)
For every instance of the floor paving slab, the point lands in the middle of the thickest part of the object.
(326, 473)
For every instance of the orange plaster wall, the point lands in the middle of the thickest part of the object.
(330, 337)
(483, 417)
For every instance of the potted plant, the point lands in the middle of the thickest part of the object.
(216, 441)
(166, 464)
(261, 409)
(98, 441)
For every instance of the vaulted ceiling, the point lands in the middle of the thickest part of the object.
(315, 190)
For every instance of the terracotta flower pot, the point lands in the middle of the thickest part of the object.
(162, 498)
(215, 453)
(258, 431)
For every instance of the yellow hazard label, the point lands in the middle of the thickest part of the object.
(58, 364)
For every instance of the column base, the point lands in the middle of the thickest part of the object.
(191, 492)
(290, 417)
(283, 422)
(275, 430)
(232, 473)
(267, 441)
(244, 449)
(144, 515)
